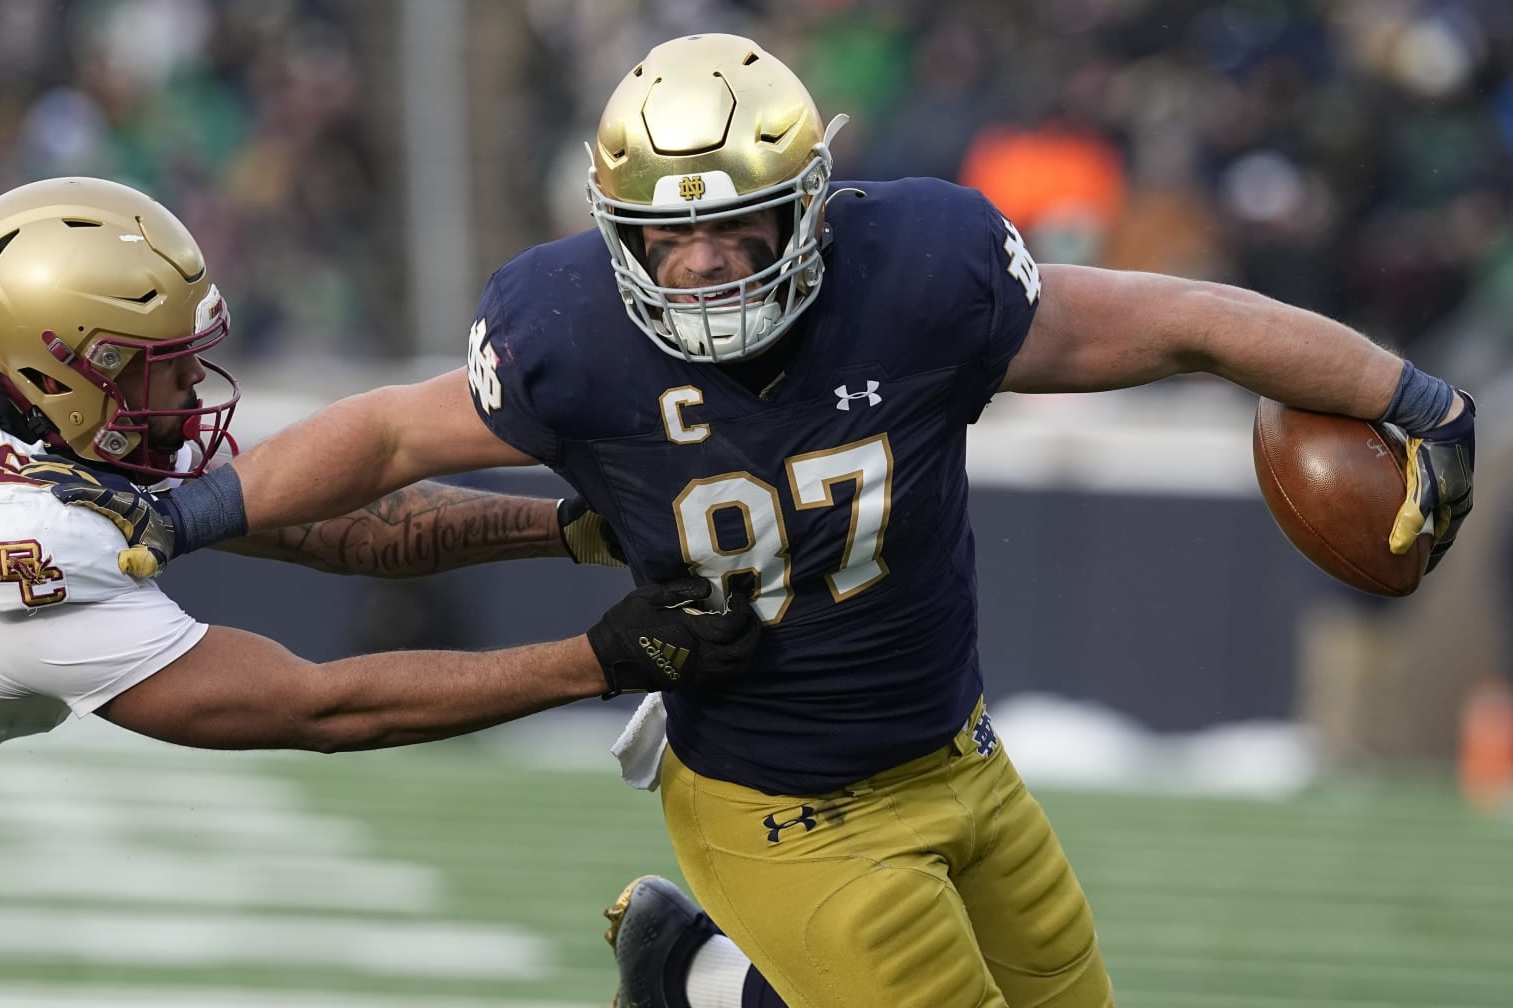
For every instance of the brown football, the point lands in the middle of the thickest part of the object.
(1334, 485)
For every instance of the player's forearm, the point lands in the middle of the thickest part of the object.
(326, 466)
(350, 453)
(1104, 329)
(1282, 352)
(238, 690)
(382, 700)
(420, 529)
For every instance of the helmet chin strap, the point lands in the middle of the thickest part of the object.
(194, 432)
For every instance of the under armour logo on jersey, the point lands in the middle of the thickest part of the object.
(845, 395)
(984, 736)
(805, 818)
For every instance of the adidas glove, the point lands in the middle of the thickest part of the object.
(657, 639)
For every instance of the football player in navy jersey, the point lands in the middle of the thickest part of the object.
(752, 370)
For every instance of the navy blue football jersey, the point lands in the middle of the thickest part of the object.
(842, 489)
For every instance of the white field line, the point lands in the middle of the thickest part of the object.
(133, 873)
(379, 948)
(67, 814)
(94, 736)
(190, 837)
(46, 996)
(45, 772)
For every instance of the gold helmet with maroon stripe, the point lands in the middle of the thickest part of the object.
(94, 274)
(704, 128)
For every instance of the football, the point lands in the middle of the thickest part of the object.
(1334, 485)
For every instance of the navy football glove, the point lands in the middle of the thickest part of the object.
(657, 639)
(589, 539)
(1438, 474)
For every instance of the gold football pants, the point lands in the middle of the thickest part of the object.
(936, 884)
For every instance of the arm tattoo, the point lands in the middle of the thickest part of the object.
(421, 529)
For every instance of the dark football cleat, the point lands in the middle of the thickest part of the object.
(655, 929)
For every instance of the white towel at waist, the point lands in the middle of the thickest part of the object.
(639, 747)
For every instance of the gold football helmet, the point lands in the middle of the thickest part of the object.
(93, 274)
(708, 127)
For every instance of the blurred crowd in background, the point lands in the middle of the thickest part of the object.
(249, 120)
(1351, 156)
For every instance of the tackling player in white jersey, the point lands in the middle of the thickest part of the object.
(105, 307)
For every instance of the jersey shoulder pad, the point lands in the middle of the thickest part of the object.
(943, 248)
(959, 288)
(51, 553)
(544, 338)
(939, 226)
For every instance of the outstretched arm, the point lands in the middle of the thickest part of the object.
(417, 530)
(1102, 329)
(363, 447)
(237, 690)
(413, 530)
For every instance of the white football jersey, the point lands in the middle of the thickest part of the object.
(74, 631)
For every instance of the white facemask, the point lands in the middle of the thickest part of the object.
(733, 320)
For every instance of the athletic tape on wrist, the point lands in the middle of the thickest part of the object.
(207, 510)
(1420, 402)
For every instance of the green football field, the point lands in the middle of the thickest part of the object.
(459, 876)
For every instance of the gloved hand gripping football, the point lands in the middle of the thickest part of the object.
(1438, 473)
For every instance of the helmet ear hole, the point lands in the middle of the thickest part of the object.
(46, 384)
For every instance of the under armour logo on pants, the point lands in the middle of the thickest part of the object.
(775, 829)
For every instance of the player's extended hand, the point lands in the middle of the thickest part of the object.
(656, 638)
(588, 537)
(148, 533)
(1438, 474)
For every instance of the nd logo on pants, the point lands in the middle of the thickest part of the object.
(936, 884)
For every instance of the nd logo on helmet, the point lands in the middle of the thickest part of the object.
(691, 187)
